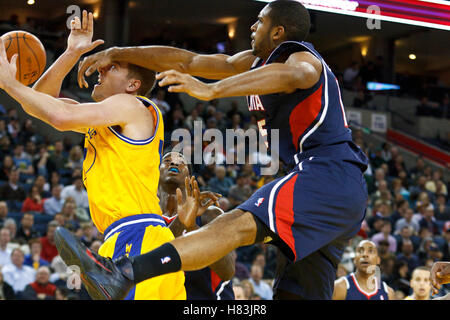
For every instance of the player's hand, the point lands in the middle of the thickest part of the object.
(80, 38)
(183, 82)
(195, 203)
(92, 63)
(8, 69)
(440, 274)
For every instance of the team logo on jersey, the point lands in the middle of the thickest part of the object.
(254, 103)
(165, 260)
(91, 133)
(259, 202)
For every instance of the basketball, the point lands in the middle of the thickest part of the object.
(32, 58)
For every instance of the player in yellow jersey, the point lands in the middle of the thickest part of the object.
(124, 135)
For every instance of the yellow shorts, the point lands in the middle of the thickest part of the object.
(138, 234)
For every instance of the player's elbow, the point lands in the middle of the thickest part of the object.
(60, 121)
(228, 273)
(304, 77)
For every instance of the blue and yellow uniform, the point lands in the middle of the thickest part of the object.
(121, 176)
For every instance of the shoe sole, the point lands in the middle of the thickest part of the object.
(74, 253)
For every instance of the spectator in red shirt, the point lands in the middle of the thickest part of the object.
(49, 250)
(33, 202)
(41, 288)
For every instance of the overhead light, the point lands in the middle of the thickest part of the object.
(412, 56)
(231, 30)
(95, 14)
(364, 49)
(30, 2)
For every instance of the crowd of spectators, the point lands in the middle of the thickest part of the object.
(408, 213)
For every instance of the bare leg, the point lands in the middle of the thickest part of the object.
(201, 248)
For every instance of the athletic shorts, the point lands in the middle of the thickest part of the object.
(316, 208)
(139, 234)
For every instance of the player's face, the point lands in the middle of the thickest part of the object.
(420, 283)
(261, 35)
(366, 257)
(112, 79)
(173, 169)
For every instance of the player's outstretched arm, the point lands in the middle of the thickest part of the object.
(78, 43)
(162, 58)
(300, 71)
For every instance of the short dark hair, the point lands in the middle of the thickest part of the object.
(146, 76)
(293, 16)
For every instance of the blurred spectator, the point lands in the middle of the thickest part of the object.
(239, 292)
(3, 213)
(41, 288)
(57, 160)
(385, 234)
(87, 231)
(407, 221)
(350, 75)
(248, 288)
(16, 273)
(241, 271)
(401, 275)
(192, 118)
(22, 163)
(6, 291)
(407, 255)
(428, 221)
(446, 247)
(76, 159)
(54, 204)
(33, 259)
(77, 192)
(220, 183)
(49, 250)
(13, 192)
(33, 202)
(5, 252)
(11, 225)
(7, 166)
(95, 245)
(160, 101)
(407, 234)
(260, 287)
(241, 191)
(26, 231)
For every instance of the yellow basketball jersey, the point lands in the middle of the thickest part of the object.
(121, 175)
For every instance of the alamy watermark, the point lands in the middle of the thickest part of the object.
(238, 146)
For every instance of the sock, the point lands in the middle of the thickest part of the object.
(162, 260)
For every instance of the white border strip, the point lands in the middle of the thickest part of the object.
(272, 194)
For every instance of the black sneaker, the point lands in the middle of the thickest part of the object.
(103, 278)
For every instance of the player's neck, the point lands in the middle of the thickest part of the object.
(362, 279)
(168, 200)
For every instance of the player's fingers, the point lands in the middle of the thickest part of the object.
(14, 59)
(164, 74)
(187, 187)
(84, 21)
(2, 50)
(179, 196)
(96, 43)
(178, 88)
(90, 25)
